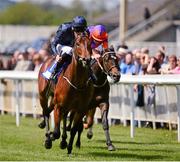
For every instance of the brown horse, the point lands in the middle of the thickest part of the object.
(46, 93)
(106, 66)
(72, 91)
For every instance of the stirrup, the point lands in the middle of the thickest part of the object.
(47, 74)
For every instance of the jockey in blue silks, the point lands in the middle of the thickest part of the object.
(64, 41)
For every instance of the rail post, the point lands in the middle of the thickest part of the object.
(132, 110)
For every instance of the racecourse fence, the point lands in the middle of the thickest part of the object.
(20, 96)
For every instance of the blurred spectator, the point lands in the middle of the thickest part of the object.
(44, 54)
(177, 69)
(154, 66)
(121, 52)
(160, 56)
(147, 15)
(128, 67)
(172, 63)
(11, 63)
(23, 63)
(137, 60)
(31, 52)
(1, 64)
(37, 61)
(2, 68)
(144, 59)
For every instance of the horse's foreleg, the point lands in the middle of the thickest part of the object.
(48, 142)
(80, 129)
(63, 143)
(57, 118)
(104, 113)
(68, 128)
(74, 129)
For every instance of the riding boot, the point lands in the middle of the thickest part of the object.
(48, 73)
(56, 69)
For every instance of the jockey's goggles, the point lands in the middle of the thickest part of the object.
(79, 29)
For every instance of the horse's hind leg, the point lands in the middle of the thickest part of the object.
(89, 122)
(63, 143)
(57, 118)
(42, 124)
(48, 142)
(104, 112)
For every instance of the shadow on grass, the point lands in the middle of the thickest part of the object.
(130, 142)
(132, 149)
(127, 156)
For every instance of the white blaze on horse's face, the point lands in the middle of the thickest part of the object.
(83, 45)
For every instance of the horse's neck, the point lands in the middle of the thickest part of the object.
(101, 76)
(77, 73)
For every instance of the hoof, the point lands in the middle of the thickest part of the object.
(68, 128)
(89, 135)
(111, 147)
(78, 145)
(48, 144)
(69, 150)
(42, 125)
(63, 144)
(54, 136)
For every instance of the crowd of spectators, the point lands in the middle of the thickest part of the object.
(25, 60)
(131, 62)
(142, 62)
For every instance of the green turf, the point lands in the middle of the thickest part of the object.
(26, 143)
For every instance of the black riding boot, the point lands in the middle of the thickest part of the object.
(65, 60)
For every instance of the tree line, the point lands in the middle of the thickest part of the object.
(26, 13)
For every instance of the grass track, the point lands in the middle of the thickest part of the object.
(26, 143)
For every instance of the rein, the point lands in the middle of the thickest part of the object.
(75, 87)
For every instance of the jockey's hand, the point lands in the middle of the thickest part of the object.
(95, 54)
(58, 58)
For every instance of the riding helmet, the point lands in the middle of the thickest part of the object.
(79, 23)
(99, 33)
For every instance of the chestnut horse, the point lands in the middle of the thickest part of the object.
(73, 90)
(106, 66)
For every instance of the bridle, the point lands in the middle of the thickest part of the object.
(77, 56)
(103, 67)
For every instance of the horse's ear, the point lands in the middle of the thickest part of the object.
(111, 48)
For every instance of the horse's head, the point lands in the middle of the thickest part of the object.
(82, 48)
(110, 65)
